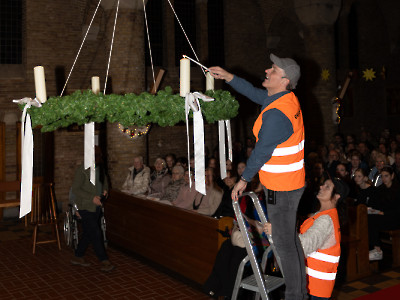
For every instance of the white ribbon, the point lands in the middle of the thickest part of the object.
(89, 159)
(221, 137)
(192, 103)
(26, 156)
(222, 156)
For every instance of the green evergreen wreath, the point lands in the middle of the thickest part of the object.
(164, 109)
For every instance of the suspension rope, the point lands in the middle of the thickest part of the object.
(190, 44)
(148, 40)
(80, 48)
(111, 47)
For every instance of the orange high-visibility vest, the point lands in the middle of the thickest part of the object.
(284, 171)
(321, 265)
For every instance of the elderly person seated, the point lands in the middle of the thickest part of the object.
(208, 204)
(186, 193)
(138, 180)
(173, 187)
(159, 178)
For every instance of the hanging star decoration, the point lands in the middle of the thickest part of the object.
(325, 74)
(369, 74)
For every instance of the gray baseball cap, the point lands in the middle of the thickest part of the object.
(291, 68)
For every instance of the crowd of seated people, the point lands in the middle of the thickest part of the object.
(360, 161)
(371, 170)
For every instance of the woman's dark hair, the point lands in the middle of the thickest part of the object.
(388, 169)
(341, 207)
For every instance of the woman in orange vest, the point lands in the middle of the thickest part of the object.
(320, 239)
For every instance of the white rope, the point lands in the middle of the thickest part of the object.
(80, 48)
(111, 46)
(148, 39)
(190, 44)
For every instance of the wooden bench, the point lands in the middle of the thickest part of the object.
(355, 243)
(9, 187)
(180, 240)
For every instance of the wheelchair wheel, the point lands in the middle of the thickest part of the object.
(103, 229)
(67, 228)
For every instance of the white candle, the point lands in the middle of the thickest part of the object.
(184, 77)
(96, 84)
(40, 84)
(209, 82)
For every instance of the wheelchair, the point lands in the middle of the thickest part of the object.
(71, 227)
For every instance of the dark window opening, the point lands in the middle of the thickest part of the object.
(11, 32)
(154, 12)
(186, 12)
(215, 17)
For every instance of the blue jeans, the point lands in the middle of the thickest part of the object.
(91, 234)
(318, 298)
(282, 216)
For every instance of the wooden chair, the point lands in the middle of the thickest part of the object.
(44, 212)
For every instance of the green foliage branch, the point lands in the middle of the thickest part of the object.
(164, 109)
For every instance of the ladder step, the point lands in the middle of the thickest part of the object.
(271, 283)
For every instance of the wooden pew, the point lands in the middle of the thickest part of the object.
(355, 243)
(183, 241)
(395, 238)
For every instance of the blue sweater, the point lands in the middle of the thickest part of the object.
(276, 127)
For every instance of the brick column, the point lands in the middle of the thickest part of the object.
(318, 18)
(127, 72)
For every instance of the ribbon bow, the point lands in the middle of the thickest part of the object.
(26, 155)
(192, 103)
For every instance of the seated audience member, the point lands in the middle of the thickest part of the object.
(396, 165)
(138, 180)
(159, 178)
(365, 152)
(212, 163)
(383, 211)
(229, 165)
(394, 147)
(225, 209)
(356, 163)
(186, 193)
(320, 238)
(375, 174)
(170, 159)
(363, 190)
(182, 161)
(342, 173)
(382, 149)
(232, 251)
(172, 189)
(333, 161)
(208, 204)
(240, 168)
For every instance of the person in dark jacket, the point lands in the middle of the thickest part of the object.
(383, 211)
(88, 198)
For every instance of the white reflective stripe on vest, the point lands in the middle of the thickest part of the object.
(283, 168)
(320, 275)
(288, 150)
(324, 257)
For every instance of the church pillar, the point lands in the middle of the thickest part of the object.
(318, 18)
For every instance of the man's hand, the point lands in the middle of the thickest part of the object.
(96, 200)
(219, 73)
(238, 189)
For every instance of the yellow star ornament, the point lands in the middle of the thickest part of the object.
(325, 74)
(369, 74)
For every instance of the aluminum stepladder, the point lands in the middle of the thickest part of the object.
(259, 282)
